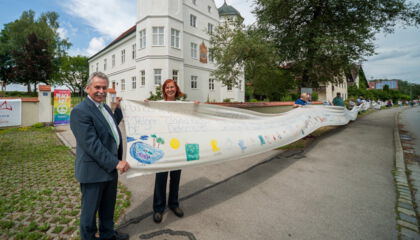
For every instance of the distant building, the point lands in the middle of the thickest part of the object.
(169, 41)
(379, 84)
(328, 91)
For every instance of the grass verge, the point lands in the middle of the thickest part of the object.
(39, 195)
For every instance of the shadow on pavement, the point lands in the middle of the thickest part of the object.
(213, 194)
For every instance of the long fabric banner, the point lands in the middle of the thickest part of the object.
(163, 136)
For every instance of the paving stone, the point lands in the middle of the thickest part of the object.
(409, 234)
(408, 225)
(406, 211)
(405, 205)
(401, 190)
(408, 196)
(405, 201)
(408, 218)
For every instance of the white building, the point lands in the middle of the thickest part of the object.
(169, 41)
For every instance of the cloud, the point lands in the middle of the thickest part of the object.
(95, 45)
(385, 54)
(109, 17)
(62, 32)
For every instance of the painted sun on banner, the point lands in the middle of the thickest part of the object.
(163, 136)
(62, 103)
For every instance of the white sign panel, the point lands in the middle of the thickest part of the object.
(10, 112)
(164, 136)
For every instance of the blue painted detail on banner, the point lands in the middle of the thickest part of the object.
(241, 144)
(145, 153)
(130, 139)
(144, 137)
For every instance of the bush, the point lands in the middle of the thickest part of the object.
(227, 100)
(19, 94)
(314, 96)
(38, 125)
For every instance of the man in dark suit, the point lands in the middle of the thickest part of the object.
(98, 157)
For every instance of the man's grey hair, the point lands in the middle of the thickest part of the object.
(99, 75)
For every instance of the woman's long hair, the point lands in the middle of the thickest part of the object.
(178, 92)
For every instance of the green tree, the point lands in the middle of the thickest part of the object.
(74, 73)
(239, 50)
(16, 43)
(322, 37)
(33, 62)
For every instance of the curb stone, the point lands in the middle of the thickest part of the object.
(408, 227)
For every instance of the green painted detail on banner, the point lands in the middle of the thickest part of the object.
(192, 151)
(262, 141)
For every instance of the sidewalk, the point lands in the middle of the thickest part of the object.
(341, 187)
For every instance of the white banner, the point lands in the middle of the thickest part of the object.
(164, 136)
(10, 112)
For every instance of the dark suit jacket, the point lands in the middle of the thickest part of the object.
(96, 153)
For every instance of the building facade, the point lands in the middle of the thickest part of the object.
(169, 41)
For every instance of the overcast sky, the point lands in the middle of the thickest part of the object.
(92, 24)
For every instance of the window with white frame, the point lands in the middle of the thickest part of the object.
(194, 50)
(142, 37)
(240, 85)
(209, 28)
(142, 77)
(158, 36)
(122, 85)
(105, 64)
(133, 83)
(229, 87)
(211, 84)
(123, 56)
(133, 52)
(157, 76)
(193, 21)
(174, 38)
(211, 58)
(113, 60)
(194, 81)
(97, 66)
(175, 75)
(209, 9)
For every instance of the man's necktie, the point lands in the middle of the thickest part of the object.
(112, 125)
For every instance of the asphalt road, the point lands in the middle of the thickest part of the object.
(340, 188)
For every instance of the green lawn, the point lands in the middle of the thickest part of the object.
(39, 196)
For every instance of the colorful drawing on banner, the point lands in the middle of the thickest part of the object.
(130, 139)
(174, 143)
(262, 141)
(241, 144)
(144, 137)
(214, 146)
(192, 151)
(267, 139)
(145, 153)
(157, 140)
